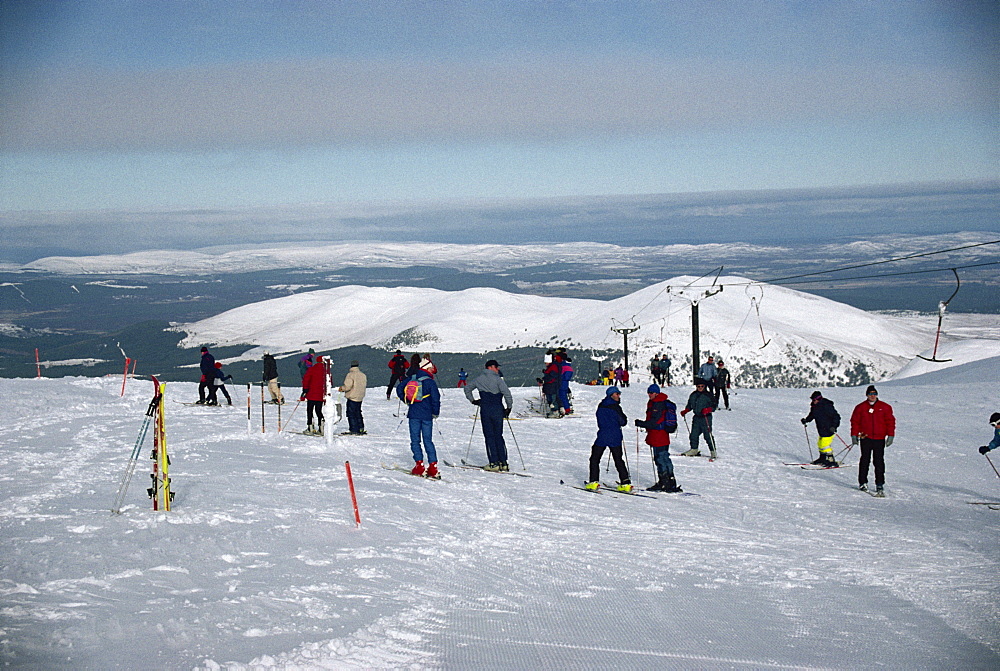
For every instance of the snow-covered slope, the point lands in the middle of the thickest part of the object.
(259, 565)
(810, 340)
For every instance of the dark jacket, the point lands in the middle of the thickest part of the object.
(398, 364)
(698, 401)
(551, 377)
(722, 378)
(270, 367)
(826, 416)
(208, 366)
(429, 407)
(610, 420)
(656, 413)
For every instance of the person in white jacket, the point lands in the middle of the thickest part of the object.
(354, 387)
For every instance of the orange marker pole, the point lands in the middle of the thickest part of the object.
(354, 497)
(125, 374)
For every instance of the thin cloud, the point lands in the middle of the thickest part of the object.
(363, 102)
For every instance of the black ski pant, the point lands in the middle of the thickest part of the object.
(396, 377)
(872, 450)
(596, 452)
(725, 395)
(317, 407)
(204, 389)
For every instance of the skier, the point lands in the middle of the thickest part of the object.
(462, 377)
(207, 376)
(610, 420)
(551, 378)
(354, 388)
(827, 421)
(702, 403)
(314, 393)
(428, 365)
(995, 443)
(398, 365)
(493, 395)
(306, 362)
(271, 379)
(424, 403)
(722, 384)
(619, 376)
(707, 373)
(219, 384)
(664, 367)
(625, 377)
(660, 422)
(874, 426)
(566, 374)
(654, 369)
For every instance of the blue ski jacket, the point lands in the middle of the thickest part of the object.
(610, 420)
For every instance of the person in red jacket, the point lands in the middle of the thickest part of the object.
(398, 365)
(314, 393)
(660, 422)
(874, 427)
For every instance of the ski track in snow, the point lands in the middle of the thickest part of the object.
(259, 564)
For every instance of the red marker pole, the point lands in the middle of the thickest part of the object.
(354, 497)
(38, 365)
(125, 374)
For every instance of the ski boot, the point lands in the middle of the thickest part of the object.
(503, 467)
(863, 487)
(693, 452)
(820, 461)
(879, 492)
(713, 455)
(829, 461)
(418, 468)
(625, 487)
(309, 431)
(432, 471)
(592, 486)
(671, 486)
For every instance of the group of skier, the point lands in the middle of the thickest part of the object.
(872, 424)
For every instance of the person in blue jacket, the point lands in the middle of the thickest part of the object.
(610, 420)
(422, 412)
(995, 443)
(207, 376)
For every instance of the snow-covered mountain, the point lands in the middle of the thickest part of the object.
(768, 335)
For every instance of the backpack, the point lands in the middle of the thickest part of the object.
(413, 391)
(669, 416)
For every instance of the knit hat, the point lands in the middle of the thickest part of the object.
(354, 363)
(492, 362)
(816, 394)
(204, 349)
(612, 390)
(995, 417)
(871, 390)
(653, 389)
(700, 380)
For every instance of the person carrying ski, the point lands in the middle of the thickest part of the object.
(702, 403)
(874, 427)
(354, 388)
(205, 385)
(610, 420)
(664, 366)
(421, 394)
(271, 379)
(827, 422)
(398, 365)
(219, 384)
(493, 395)
(660, 422)
(463, 376)
(995, 443)
(707, 373)
(722, 383)
(314, 394)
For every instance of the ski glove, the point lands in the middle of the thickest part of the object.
(888, 440)
(506, 413)
(685, 411)
(638, 423)
(706, 412)
(854, 440)
(475, 401)
(804, 420)
(984, 449)
(302, 398)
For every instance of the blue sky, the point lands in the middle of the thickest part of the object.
(187, 105)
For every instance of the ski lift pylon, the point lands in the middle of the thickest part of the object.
(942, 306)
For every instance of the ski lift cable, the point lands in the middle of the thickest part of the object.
(686, 286)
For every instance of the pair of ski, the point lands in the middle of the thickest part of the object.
(992, 505)
(613, 489)
(397, 467)
(475, 467)
(811, 466)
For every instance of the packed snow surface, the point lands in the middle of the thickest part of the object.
(260, 564)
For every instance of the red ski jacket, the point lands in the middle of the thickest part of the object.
(314, 381)
(873, 421)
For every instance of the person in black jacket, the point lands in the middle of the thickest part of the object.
(205, 386)
(827, 421)
(722, 383)
(271, 379)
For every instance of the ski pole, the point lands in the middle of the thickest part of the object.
(523, 468)
(607, 463)
(991, 464)
(637, 453)
(808, 444)
(471, 433)
(291, 415)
